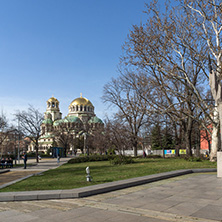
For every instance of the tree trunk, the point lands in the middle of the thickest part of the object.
(214, 146)
(215, 137)
(177, 140)
(37, 153)
(188, 132)
(135, 143)
(198, 144)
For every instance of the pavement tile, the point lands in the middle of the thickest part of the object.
(217, 202)
(9, 213)
(186, 209)
(157, 206)
(210, 211)
(20, 218)
(43, 220)
(73, 213)
(43, 213)
(182, 199)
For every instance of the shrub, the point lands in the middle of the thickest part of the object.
(193, 159)
(153, 156)
(118, 160)
(90, 158)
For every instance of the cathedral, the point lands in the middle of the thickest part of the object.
(81, 120)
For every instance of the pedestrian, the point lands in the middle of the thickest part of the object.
(144, 154)
(3, 162)
(25, 159)
(10, 162)
(58, 158)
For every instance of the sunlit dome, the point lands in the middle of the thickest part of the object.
(81, 101)
(53, 99)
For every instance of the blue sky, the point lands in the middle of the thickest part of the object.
(61, 48)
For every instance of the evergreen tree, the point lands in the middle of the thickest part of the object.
(168, 141)
(156, 137)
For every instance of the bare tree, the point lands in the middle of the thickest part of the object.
(30, 125)
(117, 135)
(132, 109)
(207, 22)
(170, 54)
(97, 141)
(6, 135)
(3, 131)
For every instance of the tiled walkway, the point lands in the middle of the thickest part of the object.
(189, 198)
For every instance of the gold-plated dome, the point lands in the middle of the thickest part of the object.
(81, 101)
(53, 99)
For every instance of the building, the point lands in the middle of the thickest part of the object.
(205, 140)
(81, 121)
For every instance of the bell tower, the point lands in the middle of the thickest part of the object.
(53, 109)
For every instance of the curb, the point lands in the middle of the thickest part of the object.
(94, 189)
(4, 171)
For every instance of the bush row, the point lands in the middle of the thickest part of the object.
(193, 159)
(119, 160)
(114, 159)
(90, 158)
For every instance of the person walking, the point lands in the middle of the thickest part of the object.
(25, 159)
(58, 159)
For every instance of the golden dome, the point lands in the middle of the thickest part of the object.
(81, 101)
(53, 99)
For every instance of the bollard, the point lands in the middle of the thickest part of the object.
(88, 177)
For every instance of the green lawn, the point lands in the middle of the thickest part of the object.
(71, 176)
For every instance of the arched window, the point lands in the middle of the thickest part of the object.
(81, 108)
(53, 104)
(77, 108)
(84, 108)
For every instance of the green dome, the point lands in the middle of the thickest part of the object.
(95, 119)
(57, 122)
(47, 121)
(47, 136)
(72, 119)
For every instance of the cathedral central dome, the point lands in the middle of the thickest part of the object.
(81, 101)
(81, 107)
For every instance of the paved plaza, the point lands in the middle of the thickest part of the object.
(191, 197)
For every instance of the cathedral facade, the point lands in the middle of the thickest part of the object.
(81, 120)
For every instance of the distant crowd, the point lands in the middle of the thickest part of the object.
(6, 163)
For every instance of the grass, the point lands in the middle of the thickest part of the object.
(69, 176)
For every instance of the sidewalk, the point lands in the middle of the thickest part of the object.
(195, 197)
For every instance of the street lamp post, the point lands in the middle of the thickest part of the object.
(15, 147)
(86, 148)
(18, 141)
